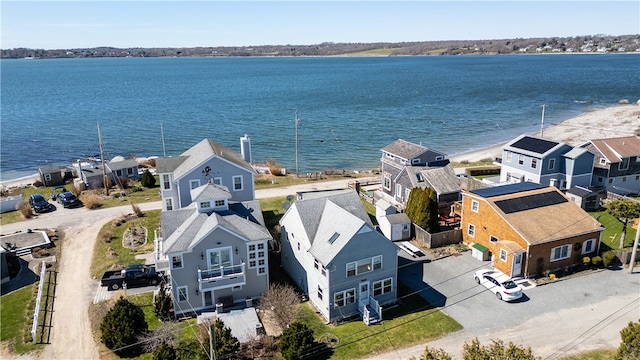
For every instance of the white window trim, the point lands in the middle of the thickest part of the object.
(584, 246)
(508, 155)
(603, 161)
(504, 255)
(181, 262)
(192, 182)
(439, 157)
(344, 298)
(475, 205)
(471, 230)
(217, 180)
(166, 184)
(381, 282)
(416, 161)
(205, 204)
(622, 162)
(398, 190)
(560, 258)
(219, 251)
(183, 290)
(520, 159)
(168, 204)
(47, 177)
(552, 164)
(241, 183)
(534, 163)
(384, 182)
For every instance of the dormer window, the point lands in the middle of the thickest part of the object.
(219, 203)
(416, 161)
(624, 164)
(205, 204)
(439, 157)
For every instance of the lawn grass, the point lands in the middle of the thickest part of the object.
(607, 354)
(16, 317)
(414, 321)
(125, 255)
(613, 229)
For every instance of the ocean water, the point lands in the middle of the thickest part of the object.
(348, 107)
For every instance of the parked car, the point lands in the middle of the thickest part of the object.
(499, 283)
(132, 275)
(67, 199)
(39, 204)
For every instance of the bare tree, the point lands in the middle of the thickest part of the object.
(166, 333)
(279, 304)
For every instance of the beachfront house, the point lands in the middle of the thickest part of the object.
(214, 250)
(617, 164)
(546, 162)
(332, 251)
(51, 175)
(401, 162)
(117, 170)
(528, 229)
(205, 162)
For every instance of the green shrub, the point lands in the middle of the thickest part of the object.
(586, 261)
(596, 261)
(148, 180)
(296, 340)
(121, 326)
(608, 257)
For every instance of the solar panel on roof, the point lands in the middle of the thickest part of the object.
(530, 202)
(507, 189)
(538, 146)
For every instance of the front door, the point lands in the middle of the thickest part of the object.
(364, 292)
(208, 298)
(516, 269)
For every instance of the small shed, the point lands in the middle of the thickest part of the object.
(51, 175)
(383, 208)
(587, 200)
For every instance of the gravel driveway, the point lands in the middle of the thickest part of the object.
(572, 315)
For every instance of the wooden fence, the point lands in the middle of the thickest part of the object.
(436, 240)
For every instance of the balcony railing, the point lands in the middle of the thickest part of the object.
(222, 277)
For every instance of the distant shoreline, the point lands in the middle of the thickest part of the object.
(613, 121)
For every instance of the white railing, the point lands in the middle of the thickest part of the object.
(222, 277)
(36, 313)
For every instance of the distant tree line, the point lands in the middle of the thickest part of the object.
(577, 44)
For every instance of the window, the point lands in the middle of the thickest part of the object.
(471, 230)
(552, 164)
(377, 262)
(382, 287)
(319, 292)
(118, 173)
(166, 182)
(219, 203)
(560, 252)
(176, 261)
(194, 184)
(387, 183)
(257, 257)
(407, 191)
(405, 227)
(439, 157)
(130, 171)
(624, 164)
(603, 161)
(316, 264)
(389, 156)
(169, 204)
(236, 288)
(587, 246)
(324, 271)
(351, 269)
(398, 190)
(520, 159)
(493, 238)
(503, 255)
(344, 298)
(205, 204)
(508, 153)
(237, 183)
(534, 163)
(217, 180)
(47, 177)
(183, 295)
(415, 161)
(363, 266)
(475, 205)
(219, 257)
(298, 246)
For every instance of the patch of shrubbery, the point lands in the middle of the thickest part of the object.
(91, 201)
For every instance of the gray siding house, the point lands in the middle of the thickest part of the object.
(545, 162)
(51, 175)
(617, 164)
(215, 251)
(400, 160)
(334, 254)
(205, 162)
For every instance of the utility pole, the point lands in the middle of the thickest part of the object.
(635, 250)
(542, 122)
(212, 340)
(104, 171)
(164, 152)
(297, 121)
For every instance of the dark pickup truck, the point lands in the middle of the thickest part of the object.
(132, 275)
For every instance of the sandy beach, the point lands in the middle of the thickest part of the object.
(613, 121)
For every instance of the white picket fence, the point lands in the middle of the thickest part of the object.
(36, 313)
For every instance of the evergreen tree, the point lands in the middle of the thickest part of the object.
(148, 180)
(162, 303)
(225, 342)
(121, 326)
(630, 347)
(295, 341)
(165, 352)
(422, 208)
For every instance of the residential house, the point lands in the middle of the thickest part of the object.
(402, 162)
(215, 251)
(51, 175)
(546, 162)
(334, 254)
(617, 164)
(587, 199)
(529, 229)
(93, 176)
(122, 169)
(205, 162)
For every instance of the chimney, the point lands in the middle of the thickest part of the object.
(245, 148)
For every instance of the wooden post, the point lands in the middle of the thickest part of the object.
(634, 251)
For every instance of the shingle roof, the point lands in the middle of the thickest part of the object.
(120, 165)
(545, 223)
(614, 149)
(203, 151)
(579, 191)
(210, 192)
(441, 179)
(575, 152)
(404, 149)
(169, 164)
(50, 169)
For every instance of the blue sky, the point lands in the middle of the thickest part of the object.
(82, 24)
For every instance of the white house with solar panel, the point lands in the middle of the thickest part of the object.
(332, 251)
(542, 161)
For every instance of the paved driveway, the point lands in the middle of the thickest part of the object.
(555, 314)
